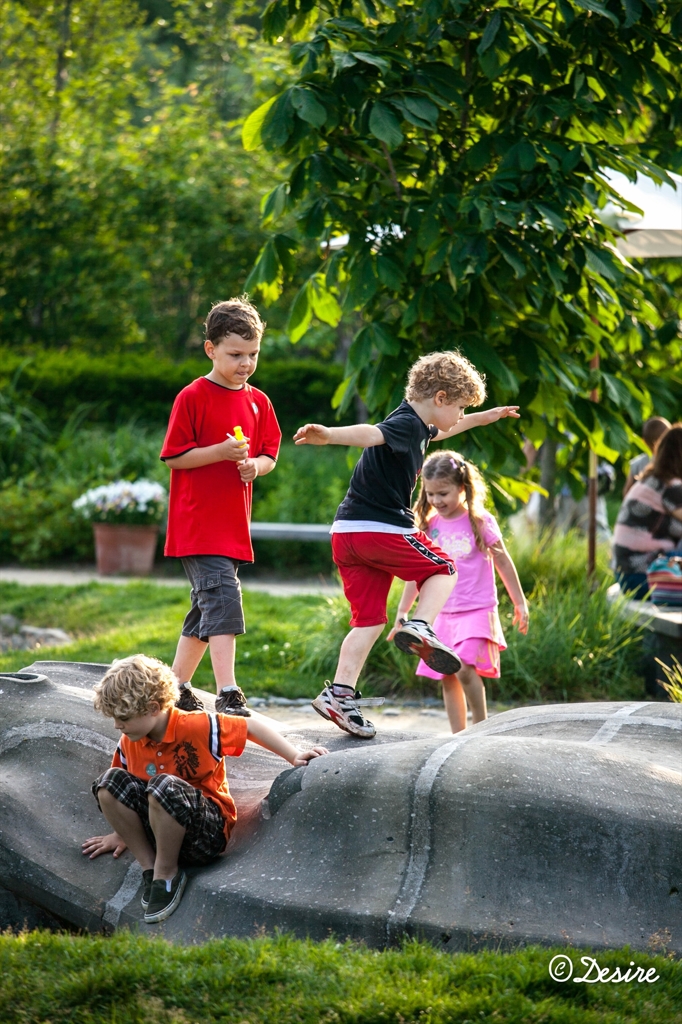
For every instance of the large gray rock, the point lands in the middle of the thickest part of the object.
(552, 824)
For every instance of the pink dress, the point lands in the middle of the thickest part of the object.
(469, 622)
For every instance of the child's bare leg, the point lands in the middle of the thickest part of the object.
(190, 651)
(222, 658)
(474, 691)
(354, 653)
(455, 703)
(169, 835)
(433, 594)
(129, 827)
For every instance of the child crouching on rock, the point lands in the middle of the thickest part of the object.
(166, 794)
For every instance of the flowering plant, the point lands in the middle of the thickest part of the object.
(135, 503)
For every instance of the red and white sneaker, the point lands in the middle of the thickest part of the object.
(345, 712)
(417, 637)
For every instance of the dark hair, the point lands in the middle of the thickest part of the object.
(667, 460)
(236, 316)
(450, 466)
(653, 429)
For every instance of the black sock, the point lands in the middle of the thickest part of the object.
(341, 690)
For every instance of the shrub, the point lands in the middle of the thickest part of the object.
(118, 388)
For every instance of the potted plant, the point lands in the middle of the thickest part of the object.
(125, 519)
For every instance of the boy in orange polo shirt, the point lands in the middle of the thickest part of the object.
(166, 794)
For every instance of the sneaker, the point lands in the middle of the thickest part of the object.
(147, 879)
(417, 637)
(164, 897)
(345, 712)
(232, 702)
(188, 700)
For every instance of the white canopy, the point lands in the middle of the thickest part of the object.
(659, 231)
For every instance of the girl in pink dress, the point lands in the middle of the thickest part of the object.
(451, 510)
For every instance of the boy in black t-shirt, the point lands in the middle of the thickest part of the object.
(374, 537)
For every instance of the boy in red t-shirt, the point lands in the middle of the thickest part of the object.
(166, 794)
(212, 472)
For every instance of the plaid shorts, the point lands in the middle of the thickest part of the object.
(201, 817)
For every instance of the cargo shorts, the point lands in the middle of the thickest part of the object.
(216, 608)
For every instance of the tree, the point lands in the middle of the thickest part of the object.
(462, 150)
(126, 203)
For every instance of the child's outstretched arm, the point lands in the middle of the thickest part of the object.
(362, 435)
(512, 583)
(261, 732)
(479, 419)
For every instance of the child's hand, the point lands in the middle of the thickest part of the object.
(248, 470)
(103, 844)
(312, 433)
(499, 413)
(399, 621)
(521, 617)
(233, 450)
(303, 756)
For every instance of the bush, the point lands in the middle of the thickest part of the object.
(143, 387)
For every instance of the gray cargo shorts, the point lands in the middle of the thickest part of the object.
(216, 595)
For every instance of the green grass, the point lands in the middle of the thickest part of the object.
(109, 621)
(129, 979)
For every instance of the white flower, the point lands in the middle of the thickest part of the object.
(121, 496)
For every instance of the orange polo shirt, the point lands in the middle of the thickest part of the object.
(192, 748)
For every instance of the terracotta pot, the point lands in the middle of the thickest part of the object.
(125, 550)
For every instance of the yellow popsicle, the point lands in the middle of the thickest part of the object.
(239, 435)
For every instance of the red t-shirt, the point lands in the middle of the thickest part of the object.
(210, 507)
(193, 748)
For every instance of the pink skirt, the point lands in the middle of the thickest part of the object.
(476, 637)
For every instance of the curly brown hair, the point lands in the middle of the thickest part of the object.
(450, 372)
(132, 684)
(452, 468)
(236, 316)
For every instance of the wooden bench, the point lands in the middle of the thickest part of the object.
(662, 638)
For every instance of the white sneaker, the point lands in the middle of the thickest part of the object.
(417, 637)
(345, 712)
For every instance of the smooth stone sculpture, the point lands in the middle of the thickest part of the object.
(554, 824)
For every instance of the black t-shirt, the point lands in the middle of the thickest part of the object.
(381, 486)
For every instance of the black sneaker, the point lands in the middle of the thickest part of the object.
(232, 702)
(188, 700)
(164, 897)
(147, 879)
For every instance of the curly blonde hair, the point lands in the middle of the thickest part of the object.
(450, 372)
(132, 684)
(453, 469)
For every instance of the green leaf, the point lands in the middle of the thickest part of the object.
(274, 203)
(489, 359)
(592, 5)
(301, 314)
(384, 125)
(360, 352)
(342, 60)
(512, 257)
(552, 216)
(601, 262)
(275, 18)
(633, 12)
(384, 340)
(308, 107)
(371, 58)
(491, 31)
(390, 274)
(253, 126)
(278, 122)
(324, 303)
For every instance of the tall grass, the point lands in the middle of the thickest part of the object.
(579, 645)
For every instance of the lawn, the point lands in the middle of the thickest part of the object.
(109, 621)
(129, 979)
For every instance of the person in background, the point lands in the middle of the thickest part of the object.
(652, 432)
(649, 522)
